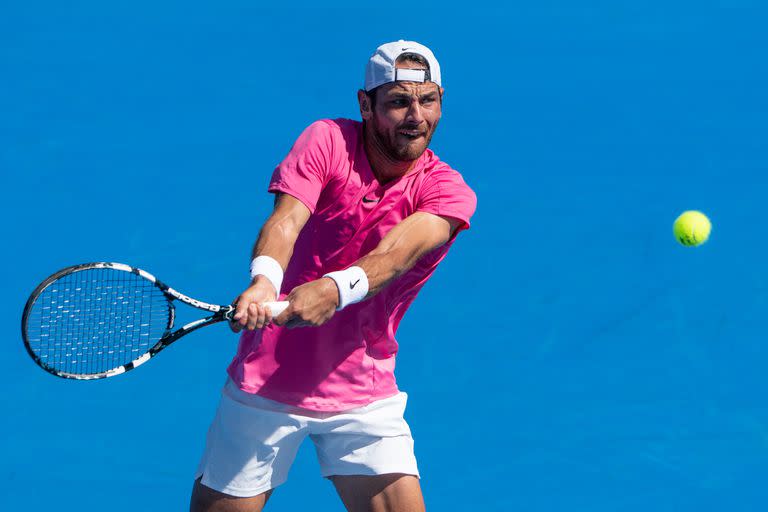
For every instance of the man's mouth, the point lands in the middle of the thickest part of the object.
(410, 134)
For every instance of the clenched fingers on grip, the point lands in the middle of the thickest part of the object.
(258, 316)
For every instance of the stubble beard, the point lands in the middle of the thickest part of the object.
(405, 153)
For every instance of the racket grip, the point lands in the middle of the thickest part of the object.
(277, 307)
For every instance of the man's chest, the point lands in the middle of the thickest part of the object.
(354, 213)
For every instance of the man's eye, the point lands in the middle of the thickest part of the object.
(399, 103)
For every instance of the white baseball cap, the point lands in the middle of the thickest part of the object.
(381, 66)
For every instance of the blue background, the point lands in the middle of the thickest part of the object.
(567, 355)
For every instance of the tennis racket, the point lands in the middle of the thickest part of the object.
(98, 320)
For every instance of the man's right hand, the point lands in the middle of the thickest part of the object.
(250, 313)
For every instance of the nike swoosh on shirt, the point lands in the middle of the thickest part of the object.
(366, 200)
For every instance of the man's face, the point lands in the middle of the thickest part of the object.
(405, 116)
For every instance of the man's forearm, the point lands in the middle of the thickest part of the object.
(276, 240)
(313, 303)
(399, 251)
(279, 233)
(383, 267)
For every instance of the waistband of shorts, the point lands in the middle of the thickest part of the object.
(233, 391)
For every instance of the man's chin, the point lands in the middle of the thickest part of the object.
(411, 152)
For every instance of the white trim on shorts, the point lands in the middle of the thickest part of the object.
(252, 441)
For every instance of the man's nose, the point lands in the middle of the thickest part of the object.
(415, 113)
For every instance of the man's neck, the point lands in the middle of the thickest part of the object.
(384, 168)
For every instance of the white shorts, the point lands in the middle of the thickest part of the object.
(253, 441)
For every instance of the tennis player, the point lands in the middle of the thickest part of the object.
(363, 214)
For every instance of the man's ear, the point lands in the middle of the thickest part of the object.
(366, 109)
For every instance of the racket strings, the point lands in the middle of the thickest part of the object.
(94, 320)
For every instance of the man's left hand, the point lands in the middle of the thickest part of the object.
(310, 304)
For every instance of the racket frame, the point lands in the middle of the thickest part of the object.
(220, 313)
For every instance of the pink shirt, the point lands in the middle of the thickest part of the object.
(349, 361)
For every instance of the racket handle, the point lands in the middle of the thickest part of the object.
(277, 307)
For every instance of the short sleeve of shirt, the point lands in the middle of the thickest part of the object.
(304, 172)
(446, 194)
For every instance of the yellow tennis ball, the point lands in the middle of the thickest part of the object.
(692, 228)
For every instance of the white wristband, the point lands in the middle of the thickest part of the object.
(352, 284)
(269, 268)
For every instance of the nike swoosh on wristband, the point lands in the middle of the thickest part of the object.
(352, 285)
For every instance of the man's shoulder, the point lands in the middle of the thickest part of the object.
(339, 127)
(331, 138)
